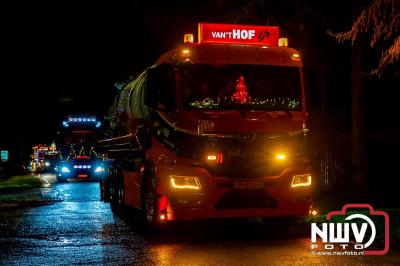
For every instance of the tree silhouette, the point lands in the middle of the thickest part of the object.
(382, 19)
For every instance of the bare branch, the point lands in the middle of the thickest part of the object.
(382, 19)
(388, 57)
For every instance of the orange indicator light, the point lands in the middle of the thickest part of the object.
(188, 38)
(283, 42)
(281, 157)
(211, 157)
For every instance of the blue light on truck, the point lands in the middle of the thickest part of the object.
(82, 166)
(83, 120)
(99, 169)
(65, 169)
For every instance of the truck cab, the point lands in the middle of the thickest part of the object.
(78, 156)
(215, 129)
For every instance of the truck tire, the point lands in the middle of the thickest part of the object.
(117, 194)
(105, 188)
(113, 201)
(117, 201)
(149, 213)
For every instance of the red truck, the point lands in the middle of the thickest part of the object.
(214, 129)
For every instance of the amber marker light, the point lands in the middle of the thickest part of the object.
(188, 38)
(281, 157)
(185, 52)
(217, 158)
(212, 157)
(296, 57)
(283, 42)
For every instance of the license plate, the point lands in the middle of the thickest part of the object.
(83, 176)
(249, 184)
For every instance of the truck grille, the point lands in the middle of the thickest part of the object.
(242, 169)
(251, 159)
(246, 162)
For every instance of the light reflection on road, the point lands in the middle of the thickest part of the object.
(82, 230)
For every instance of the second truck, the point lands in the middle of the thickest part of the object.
(214, 129)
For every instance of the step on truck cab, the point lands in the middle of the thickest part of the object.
(214, 129)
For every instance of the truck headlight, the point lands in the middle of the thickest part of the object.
(185, 182)
(301, 180)
(65, 169)
(99, 169)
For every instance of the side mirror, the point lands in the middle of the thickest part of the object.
(159, 90)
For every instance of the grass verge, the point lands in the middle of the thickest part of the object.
(20, 182)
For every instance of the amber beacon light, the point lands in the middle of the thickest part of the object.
(188, 38)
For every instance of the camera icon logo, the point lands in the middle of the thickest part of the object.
(354, 234)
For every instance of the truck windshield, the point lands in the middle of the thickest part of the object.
(258, 87)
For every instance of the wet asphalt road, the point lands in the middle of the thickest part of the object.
(81, 230)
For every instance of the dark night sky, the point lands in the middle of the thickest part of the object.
(64, 57)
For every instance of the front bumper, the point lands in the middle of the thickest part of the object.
(207, 213)
(81, 174)
(218, 197)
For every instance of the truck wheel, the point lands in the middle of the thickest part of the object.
(113, 200)
(104, 190)
(111, 184)
(117, 201)
(149, 208)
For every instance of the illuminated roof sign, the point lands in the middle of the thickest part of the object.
(238, 34)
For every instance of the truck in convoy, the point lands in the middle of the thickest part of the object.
(78, 157)
(214, 129)
(44, 158)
